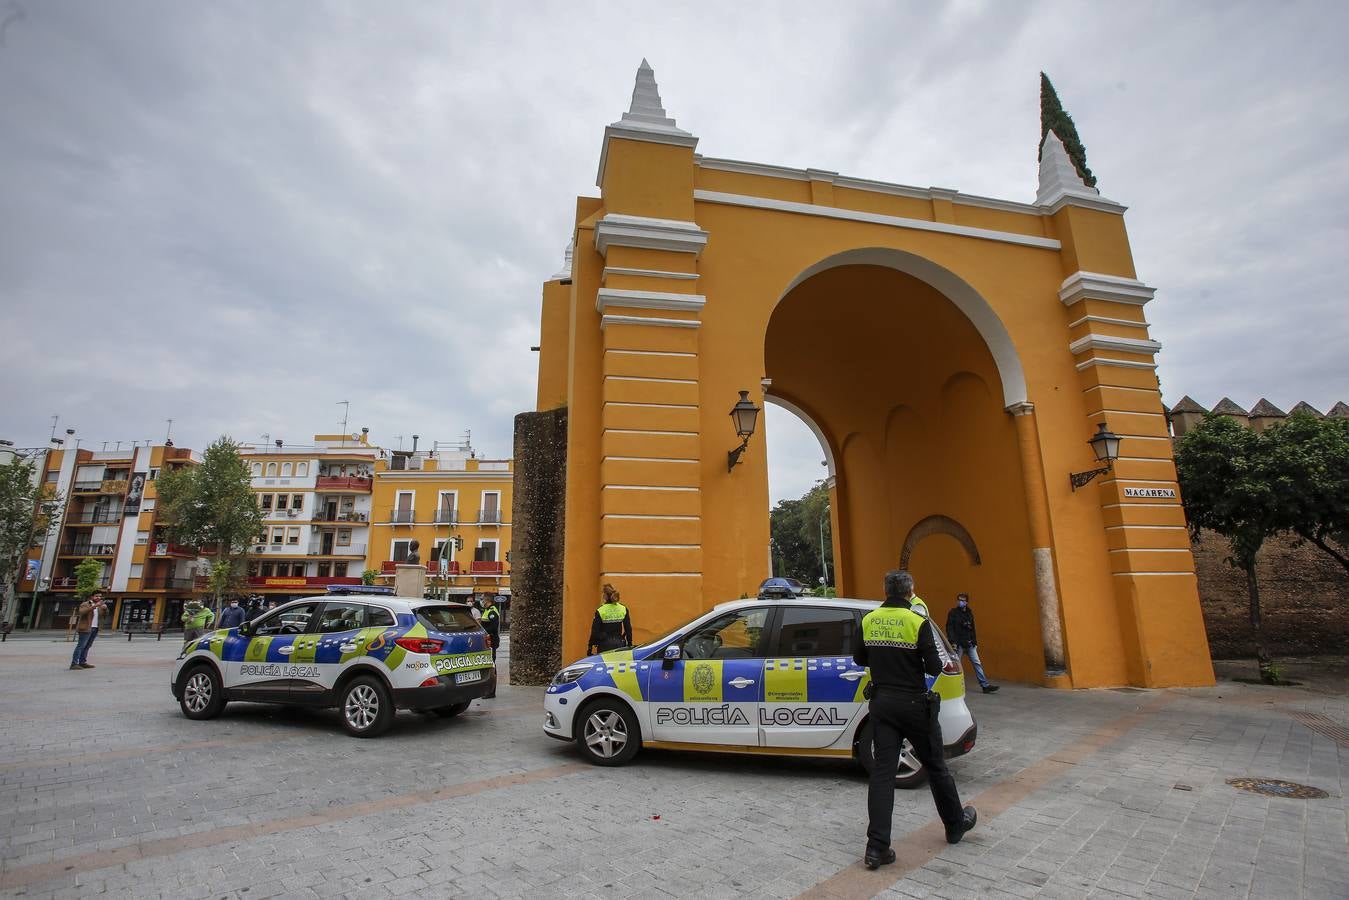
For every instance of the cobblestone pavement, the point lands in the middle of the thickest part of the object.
(105, 789)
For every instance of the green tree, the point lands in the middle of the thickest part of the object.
(1312, 463)
(1227, 475)
(211, 507)
(28, 510)
(88, 577)
(795, 526)
(1053, 117)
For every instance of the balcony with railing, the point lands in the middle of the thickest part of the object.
(489, 517)
(447, 515)
(279, 549)
(168, 583)
(69, 583)
(401, 516)
(390, 565)
(87, 549)
(485, 567)
(95, 517)
(354, 518)
(297, 581)
(343, 483)
(167, 548)
(343, 550)
(87, 486)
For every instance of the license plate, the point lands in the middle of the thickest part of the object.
(466, 677)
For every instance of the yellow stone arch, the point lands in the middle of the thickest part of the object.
(953, 354)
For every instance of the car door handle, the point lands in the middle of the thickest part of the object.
(852, 675)
(740, 682)
(286, 650)
(347, 648)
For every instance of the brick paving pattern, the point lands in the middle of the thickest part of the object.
(106, 790)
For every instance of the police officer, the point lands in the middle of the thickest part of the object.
(899, 647)
(491, 623)
(611, 628)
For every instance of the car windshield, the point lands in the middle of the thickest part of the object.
(447, 619)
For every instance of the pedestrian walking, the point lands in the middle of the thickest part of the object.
(197, 618)
(86, 629)
(233, 615)
(960, 632)
(611, 628)
(491, 623)
(899, 646)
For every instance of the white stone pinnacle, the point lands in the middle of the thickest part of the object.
(565, 272)
(1058, 175)
(646, 112)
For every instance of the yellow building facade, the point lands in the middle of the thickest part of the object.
(953, 354)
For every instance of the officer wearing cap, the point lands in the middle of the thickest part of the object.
(611, 628)
(491, 623)
(898, 646)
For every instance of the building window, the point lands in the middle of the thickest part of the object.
(296, 501)
(399, 551)
(147, 504)
(257, 470)
(278, 536)
(340, 569)
(268, 569)
(301, 470)
(266, 500)
(271, 470)
(154, 474)
(282, 500)
(325, 569)
(486, 552)
(142, 537)
(297, 570)
(137, 569)
(293, 536)
(286, 469)
(53, 477)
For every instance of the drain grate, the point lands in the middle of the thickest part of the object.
(1323, 725)
(1273, 787)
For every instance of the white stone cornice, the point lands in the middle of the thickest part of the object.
(1118, 363)
(607, 320)
(1107, 320)
(616, 230)
(852, 215)
(647, 273)
(1116, 344)
(607, 297)
(1095, 286)
(1024, 408)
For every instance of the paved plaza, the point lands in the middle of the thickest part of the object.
(105, 789)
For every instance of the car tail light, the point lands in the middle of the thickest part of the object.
(420, 645)
(968, 745)
(433, 681)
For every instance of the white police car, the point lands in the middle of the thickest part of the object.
(365, 653)
(770, 676)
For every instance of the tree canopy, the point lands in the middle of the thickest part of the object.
(1311, 461)
(1053, 117)
(28, 511)
(795, 526)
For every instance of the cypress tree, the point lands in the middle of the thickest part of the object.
(1054, 118)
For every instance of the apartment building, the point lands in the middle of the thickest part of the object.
(434, 496)
(109, 515)
(316, 503)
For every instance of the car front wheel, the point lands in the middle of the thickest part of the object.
(608, 733)
(909, 774)
(203, 695)
(366, 707)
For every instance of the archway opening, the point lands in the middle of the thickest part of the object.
(907, 395)
(801, 537)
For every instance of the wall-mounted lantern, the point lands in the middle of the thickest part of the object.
(1105, 444)
(744, 415)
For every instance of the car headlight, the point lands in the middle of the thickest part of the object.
(572, 672)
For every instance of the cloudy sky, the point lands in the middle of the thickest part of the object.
(237, 214)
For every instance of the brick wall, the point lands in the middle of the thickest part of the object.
(1304, 600)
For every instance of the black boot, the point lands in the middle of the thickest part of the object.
(955, 832)
(876, 860)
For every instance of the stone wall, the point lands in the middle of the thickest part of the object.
(1304, 599)
(536, 545)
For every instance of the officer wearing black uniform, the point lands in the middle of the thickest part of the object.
(898, 645)
(611, 628)
(491, 623)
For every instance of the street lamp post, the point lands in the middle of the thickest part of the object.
(824, 567)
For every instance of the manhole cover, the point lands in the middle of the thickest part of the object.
(1273, 787)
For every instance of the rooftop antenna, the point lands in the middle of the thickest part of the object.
(266, 439)
(346, 410)
(400, 441)
(168, 435)
(55, 419)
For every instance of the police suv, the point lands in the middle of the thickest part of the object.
(770, 676)
(365, 653)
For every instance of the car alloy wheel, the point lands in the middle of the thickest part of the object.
(198, 691)
(362, 707)
(606, 734)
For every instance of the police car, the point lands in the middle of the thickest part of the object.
(771, 676)
(365, 653)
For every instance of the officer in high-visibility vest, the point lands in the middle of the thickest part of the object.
(611, 628)
(899, 647)
(491, 623)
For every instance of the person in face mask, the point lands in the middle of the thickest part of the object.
(233, 615)
(960, 631)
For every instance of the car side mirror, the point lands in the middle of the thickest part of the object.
(671, 654)
(245, 628)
